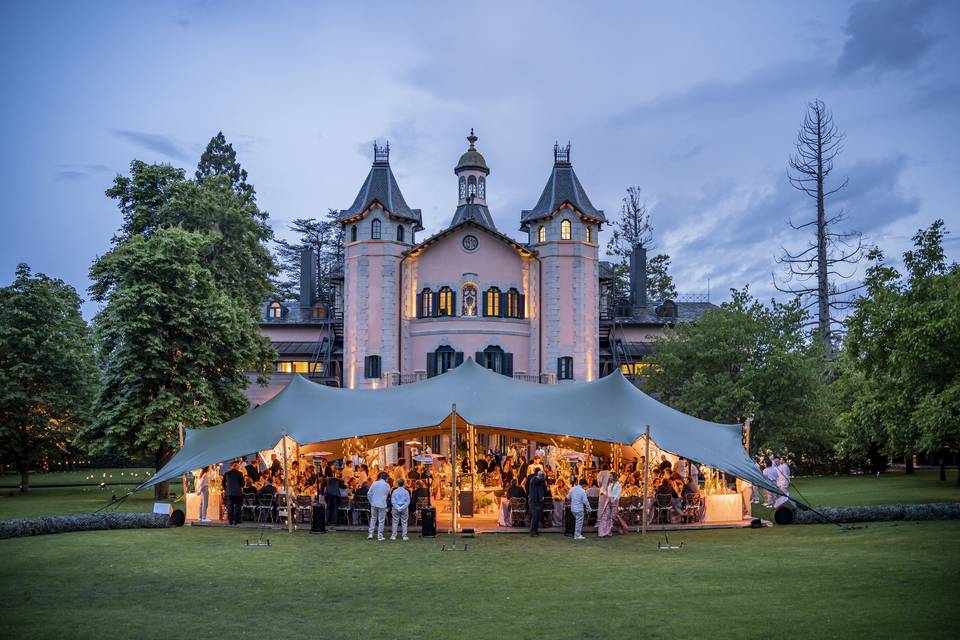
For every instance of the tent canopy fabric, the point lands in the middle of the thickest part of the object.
(610, 409)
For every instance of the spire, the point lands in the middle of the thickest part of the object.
(381, 155)
(562, 186)
(472, 139)
(381, 186)
(472, 172)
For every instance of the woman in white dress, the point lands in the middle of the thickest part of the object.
(203, 490)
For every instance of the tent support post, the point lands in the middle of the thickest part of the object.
(646, 478)
(453, 482)
(184, 476)
(286, 483)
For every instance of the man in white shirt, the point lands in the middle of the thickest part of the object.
(579, 506)
(377, 495)
(400, 499)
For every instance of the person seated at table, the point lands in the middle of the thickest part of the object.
(347, 471)
(249, 489)
(666, 489)
(689, 487)
(266, 489)
(594, 490)
(493, 477)
(361, 490)
(481, 465)
(363, 473)
(310, 480)
(515, 490)
(415, 473)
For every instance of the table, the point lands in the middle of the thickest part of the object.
(723, 508)
(213, 506)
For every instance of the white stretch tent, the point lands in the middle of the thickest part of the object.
(610, 409)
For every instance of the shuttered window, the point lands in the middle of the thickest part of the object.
(565, 368)
(491, 303)
(371, 367)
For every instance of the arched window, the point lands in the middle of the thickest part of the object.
(425, 304)
(565, 230)
(318, 311)
(565, 368)
(472, 186)
(445, 302)
(495, 359)
(589, 233)
(353, 233)
(400, 233)
(469, 300)
(463, 188)
(513, 304)
(275, 310)
(542, 234)
(483, 188)
(375, 229)
(491, 303)
(442, 360)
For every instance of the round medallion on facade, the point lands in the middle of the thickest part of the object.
(470, 243)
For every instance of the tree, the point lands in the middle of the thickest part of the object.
(747, 359)
(905, 339)
(659, 282)
(47, 373)
(326, 239)
(632, 228)
(813, 272)
(219, 159)
(173, 343)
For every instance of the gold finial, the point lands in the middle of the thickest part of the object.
(472, 139)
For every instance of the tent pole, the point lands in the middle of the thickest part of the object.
(646, 478)
(286, 483)
(184, 476)
(453, 476)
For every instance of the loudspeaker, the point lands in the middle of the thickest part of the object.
(756, 523)
(428, 523)
(466, 504)
(177, 518)
(783, 515)
(319, 522)
(569, 522)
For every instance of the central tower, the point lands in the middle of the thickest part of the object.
(472, 172)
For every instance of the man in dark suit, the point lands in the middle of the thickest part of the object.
(536, 490)
(253, 472)
(332, 497)
(515, 490)
(522, 470)
(233, 488)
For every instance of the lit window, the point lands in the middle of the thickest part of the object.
(513, 304)
(375, 229)
(371, 367)
(318, 311)
(639, 369)
(445, 302)
(565, 368)
(400, 233)
(425, 304)
(542, 234)
(275, 310)
(565, 230)
(589, 233)
(491, 305)
(470, 300)
(294, 366)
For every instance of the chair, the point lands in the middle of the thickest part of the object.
(265, 509)
(547, 516)
(662, 508)
(304, 505)
(280, 505)
(628, 509)
(361, 507)
(594, 507)
(249, 506)
(692, 507)
(518, 512)
(343, 509)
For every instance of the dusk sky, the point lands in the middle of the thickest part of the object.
(697, 103)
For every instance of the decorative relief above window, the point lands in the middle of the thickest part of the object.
(470, 243)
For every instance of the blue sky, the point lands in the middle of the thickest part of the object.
(697, 103)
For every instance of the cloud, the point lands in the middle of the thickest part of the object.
(885, 36)
(873, 198)
(155, 142)
(75, 172)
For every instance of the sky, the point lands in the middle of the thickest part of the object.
(697, 103)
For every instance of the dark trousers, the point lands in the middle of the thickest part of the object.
(536, 514)
(234, 504)
(332, 504)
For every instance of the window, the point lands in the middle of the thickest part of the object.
(483, 188)
(639, 369)
(400, 233)
(513, 304)
(296, 366)
(472, 186)
(494, 358)
(565, 368)
(425, 304)
(275, 310)
(542, 234)
(375, 229)
(589, 233)
(445, 302)
(318, 311)
(491, 303)
(565, 230)
(371, 367)
(470, 300)
(442, 360)
(463, 188)
(353, 233)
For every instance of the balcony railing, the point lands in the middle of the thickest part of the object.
(395, 379)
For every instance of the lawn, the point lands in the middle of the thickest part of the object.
(892, 487)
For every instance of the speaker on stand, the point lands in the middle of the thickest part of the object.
(428, 523)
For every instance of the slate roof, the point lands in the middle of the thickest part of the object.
(523, 249)
(295, 348)
(686, 312)
(381, 186)
(471, 158)
(562, 186)
(292, 312)
(478, 213)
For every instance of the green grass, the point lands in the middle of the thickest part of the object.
(888, 580)
(893, 487)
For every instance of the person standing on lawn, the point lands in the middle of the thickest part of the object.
(377, 494)
(400, 499)
(579, 506)
(536, 491)
(233, 488)
(203, 490)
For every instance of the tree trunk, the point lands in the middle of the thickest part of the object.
(823, 282)
(24, 470)
(943, 467)
(909, 464)
(161, 491)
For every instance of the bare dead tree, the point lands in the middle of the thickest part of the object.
(632, 227)
(816, 273)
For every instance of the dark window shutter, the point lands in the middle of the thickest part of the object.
(522, 306)
(420, 305)
(453, 303)
(431, 364)
(480, 358)
(459, 359)
(560, 368)
(508, 365)
(376, 367)
(503, 304)
(435, 304)
(483, 302)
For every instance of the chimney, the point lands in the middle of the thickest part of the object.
(638, 277)
(308, 278)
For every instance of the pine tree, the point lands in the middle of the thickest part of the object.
(220, 159)
(659, 281)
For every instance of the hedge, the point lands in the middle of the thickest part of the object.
(880, 513)
(82, 522)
